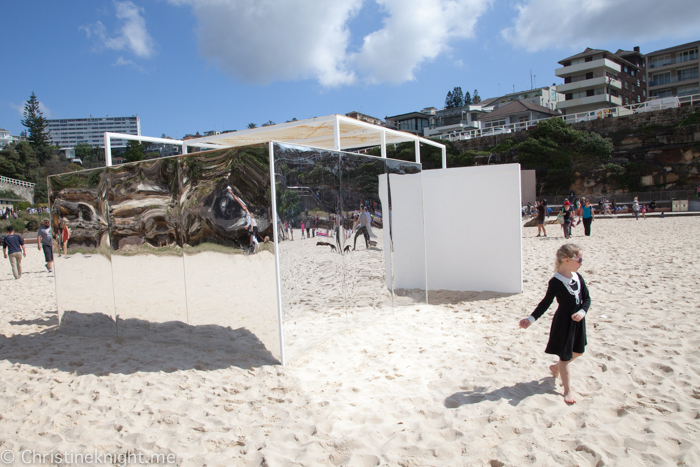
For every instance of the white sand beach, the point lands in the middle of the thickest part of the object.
(455, 383)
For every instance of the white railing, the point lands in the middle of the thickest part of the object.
(15, 182)
(647, 106)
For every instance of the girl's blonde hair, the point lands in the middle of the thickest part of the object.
(564, 252)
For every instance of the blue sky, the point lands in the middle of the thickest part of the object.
(195, 65)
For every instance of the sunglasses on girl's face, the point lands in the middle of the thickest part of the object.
(579, 260)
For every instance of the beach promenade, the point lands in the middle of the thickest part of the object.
(453, 383)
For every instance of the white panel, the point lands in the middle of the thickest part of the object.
(406, 192)
(473, 228)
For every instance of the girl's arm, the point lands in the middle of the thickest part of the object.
(542, 307)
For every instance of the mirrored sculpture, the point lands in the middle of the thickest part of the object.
(82, 260)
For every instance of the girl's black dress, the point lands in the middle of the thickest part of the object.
(566, 335)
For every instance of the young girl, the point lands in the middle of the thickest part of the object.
(567, 336)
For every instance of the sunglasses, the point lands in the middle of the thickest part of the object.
(579, 260)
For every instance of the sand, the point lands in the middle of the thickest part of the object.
(455, 383)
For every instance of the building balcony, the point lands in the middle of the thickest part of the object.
(672, 61)
(589, 84)
(673, 79)
(603, 64)
(601, 99)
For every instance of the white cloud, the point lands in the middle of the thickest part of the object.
(414, 32)
(274, 40)
(543, 24)
(45, 111)
(121, 61)
(132, 34)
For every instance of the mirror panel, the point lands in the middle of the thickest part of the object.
(81, 254)
(230, 274)
(307, 191)
(147, 263)
(366, 289)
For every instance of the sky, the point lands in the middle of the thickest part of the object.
(187, 66)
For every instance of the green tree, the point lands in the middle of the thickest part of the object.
(252, 125)
(476, 99)
(268, 123)
(36, 123)
(83, 151)
(455, 98)
(134, 151)
(467, 98)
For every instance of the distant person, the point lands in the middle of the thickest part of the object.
(546, 209)
(308, 228)
(363, 221)
(644, 211)
(63, 236)
(13, 248)
(614, 207)
(587, 215)
(567, 335)
(652, 205)
(541, 212)
(253, 232)
(635, 208)
(302, 229)
(44, 242)
(568, 213)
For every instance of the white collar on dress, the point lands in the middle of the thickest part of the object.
(568, 282)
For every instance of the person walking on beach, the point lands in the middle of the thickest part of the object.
(541, 211)
(568, 213)
(567, 335)
(302, 230)
(13, 248)
(588, 213)
(635, 208)
(363, 222)
(44, 242)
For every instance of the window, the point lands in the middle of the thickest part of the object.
(631, 72)
(688, 90)
(661, 78)
(639, 99)
(664, 93)
(578, 95)
(633, 88)
(644, 78)
(687, 73)
(576, 62)
(660, 61)
(627, 101)
(687, 55)
(637, 81)
(626, 85)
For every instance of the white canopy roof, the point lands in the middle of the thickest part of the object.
(335, 132)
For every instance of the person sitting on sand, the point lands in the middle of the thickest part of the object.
(567, 336)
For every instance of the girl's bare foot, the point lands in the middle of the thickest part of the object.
(569, 398)
(555, 370)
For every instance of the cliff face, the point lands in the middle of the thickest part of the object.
(651, 152)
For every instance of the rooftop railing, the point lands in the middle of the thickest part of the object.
(672, 61)
(15, 182)
(673, 79)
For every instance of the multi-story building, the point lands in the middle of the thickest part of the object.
(546, 96)
(674, 71)
(596, 79)
(636, 81)
(365, 118)
(454, 120)
(412, 122)
(520, 111)
(67, 132)
(5, 138)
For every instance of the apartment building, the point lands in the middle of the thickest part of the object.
(412, 122)
(595, 79)
(673, 71)
(67, 132)
(5, 138)
(365, 118)
(455, 120)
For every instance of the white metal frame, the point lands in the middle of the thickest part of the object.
(376, 135)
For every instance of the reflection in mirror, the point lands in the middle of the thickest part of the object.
(147, 264)
(228, 244)
(366, 288)
(407, 234)
(307, 192)
(81, 253)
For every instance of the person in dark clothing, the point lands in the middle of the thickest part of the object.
(588, 214)
(652, 205)
(362, 221)
(568, 213)
(13, 248)
(567, 335)
(541, 212)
